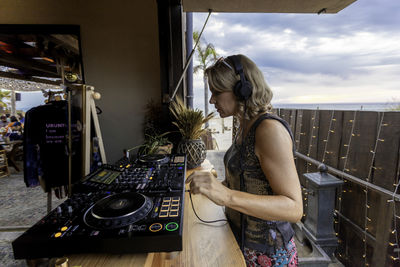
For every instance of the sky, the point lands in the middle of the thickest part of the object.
(349, 57)
(29, 100)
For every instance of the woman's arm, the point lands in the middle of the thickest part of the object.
(273, 148)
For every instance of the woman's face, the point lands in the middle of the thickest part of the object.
(225, 103)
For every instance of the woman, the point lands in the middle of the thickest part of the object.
(261, 192)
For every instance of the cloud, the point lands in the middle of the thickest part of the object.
(352, 51)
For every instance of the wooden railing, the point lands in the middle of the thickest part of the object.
(364, 145)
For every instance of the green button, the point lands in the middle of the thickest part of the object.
(172, 226)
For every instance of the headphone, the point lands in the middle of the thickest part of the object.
(243, 88)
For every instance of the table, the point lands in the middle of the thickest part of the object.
(203, 244)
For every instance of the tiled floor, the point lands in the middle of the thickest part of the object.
(20, 207)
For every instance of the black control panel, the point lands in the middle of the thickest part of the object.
(123, 208)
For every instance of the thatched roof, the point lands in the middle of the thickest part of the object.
(34, 58)
(22, 85)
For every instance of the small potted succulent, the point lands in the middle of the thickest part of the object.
(190, 123)
(155, 144)
(155, 131)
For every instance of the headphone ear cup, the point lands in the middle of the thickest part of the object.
(247, 90)
(237, 90)
(243, 88)
(243, 91)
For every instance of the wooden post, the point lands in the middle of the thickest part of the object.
(89, 113)
(97, 129)
(86, 96)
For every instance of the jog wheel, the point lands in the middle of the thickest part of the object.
(119, 210)
(154, 159)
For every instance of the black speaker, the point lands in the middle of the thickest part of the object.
(243, 88)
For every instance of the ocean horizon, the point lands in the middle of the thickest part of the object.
(222, 128)
(376, 106)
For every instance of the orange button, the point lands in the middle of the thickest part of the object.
(155, 227)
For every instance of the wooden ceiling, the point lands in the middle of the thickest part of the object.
(38, 57)
(266, 6)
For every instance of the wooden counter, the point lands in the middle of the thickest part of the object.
(203, 244)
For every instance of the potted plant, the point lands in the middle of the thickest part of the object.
(190, 124)
(155, 144)
(156, 132)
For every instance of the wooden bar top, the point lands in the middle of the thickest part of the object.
(203, 244)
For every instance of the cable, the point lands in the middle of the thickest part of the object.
(189, 58)
(242, 184)
(204, 221)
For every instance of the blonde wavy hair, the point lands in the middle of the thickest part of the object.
(222, 78)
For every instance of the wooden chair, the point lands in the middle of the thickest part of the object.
(4, 171)
(15, 154)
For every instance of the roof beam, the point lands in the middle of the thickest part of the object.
(266, 6)
(23, 64)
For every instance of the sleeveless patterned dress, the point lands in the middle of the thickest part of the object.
(266, 243)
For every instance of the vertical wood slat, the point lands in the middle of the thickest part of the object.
(353, 203)
(363, 142)
(323, 131)
(299, 115)
(335, 141)
(347, 140)
(304, 142)
(313, 139)
(383, 231)
(374, 213)
(285, 115)
(352, 246)
(391, 249)
(387, 152)
(292, 120)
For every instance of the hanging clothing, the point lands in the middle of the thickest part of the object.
(46, 146)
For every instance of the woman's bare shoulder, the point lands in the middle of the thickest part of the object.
(272, 134)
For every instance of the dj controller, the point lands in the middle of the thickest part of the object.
(120, 208)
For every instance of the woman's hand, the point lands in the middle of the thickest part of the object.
(204, 182)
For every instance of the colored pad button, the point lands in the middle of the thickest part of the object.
(173, 213)
(163, 214)
(155, 227)
(64, 228)
(174, 208)
(165, 208)
(172, 226)
(58, 234)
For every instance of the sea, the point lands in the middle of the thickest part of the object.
(379, 106)
(370, 106)
(222, 128)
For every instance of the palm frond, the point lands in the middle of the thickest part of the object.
(189, 121)
(197, 68)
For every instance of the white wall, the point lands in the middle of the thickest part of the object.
(120, 57)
